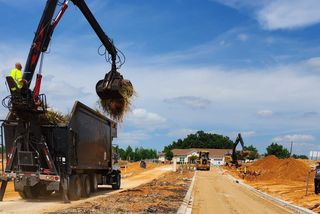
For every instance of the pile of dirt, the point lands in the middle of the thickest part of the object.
(162, 195)
(272, 168)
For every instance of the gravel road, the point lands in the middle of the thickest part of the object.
(214, 193)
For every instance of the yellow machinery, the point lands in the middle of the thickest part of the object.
(232, 159)
(203, 161)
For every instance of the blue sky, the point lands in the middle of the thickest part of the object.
(219, 66)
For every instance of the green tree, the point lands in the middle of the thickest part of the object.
(193, 158)
(300, 156)
(122, 154)
(253, 152)
(200, 139)
(168, 154)
(277, 150)
(129, 153)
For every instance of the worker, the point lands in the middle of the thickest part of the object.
(317, 179)
(16, 74)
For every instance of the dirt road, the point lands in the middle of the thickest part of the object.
(214, 193)
(18, 205)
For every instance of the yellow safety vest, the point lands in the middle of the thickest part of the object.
(17, 76)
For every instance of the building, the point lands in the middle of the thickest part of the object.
(162, 157)
(217, 156)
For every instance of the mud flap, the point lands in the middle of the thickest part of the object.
(3, 189)
(65, 185)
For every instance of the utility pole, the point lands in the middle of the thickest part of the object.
(291, 148)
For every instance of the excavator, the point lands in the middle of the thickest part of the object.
(232, 159)
(27, 105)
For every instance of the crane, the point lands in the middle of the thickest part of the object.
(26, 105)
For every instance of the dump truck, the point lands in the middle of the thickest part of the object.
(73, 157)
(77, 154)
(203, 161)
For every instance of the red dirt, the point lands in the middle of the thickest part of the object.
(282, 178)
(272, 168)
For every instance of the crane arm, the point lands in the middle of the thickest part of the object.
(41, 37)
(46, 28)
(106, 41)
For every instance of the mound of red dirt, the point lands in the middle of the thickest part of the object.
(271, 168)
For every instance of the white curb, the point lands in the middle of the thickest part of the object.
(186, 206)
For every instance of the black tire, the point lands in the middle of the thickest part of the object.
(74, 189)
(22, 195)
(316, 186)
(93, 182)
(86, 186)
(117, 181)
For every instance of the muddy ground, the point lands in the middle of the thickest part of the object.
(162, 195)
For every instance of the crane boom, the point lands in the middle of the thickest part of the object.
(107, 87)
(40, 38)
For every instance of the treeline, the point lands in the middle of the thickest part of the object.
(281, 152)
(135, 155)
(199, 140)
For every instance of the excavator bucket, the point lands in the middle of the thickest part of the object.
(110, 87)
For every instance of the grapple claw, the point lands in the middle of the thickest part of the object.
(110, 87)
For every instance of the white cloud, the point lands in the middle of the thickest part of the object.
(143, 119)
(288, 14)
(265, 113)
(296, 138)
(315, 62)
(280, 14)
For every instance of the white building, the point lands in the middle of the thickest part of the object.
(162, 157)
(189, 155)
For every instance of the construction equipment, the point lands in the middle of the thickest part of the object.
(232, 159)
(203, 161)
(317, 179)
(74, 157)
(143, 164)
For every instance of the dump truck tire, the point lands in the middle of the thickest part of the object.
(22, 195)
(74, 190)
(86, 186)
(118, 182)
(94, 182)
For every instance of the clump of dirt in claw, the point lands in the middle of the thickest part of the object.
(117, 108)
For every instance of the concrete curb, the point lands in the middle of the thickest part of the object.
(186, 206)
(283, 203)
